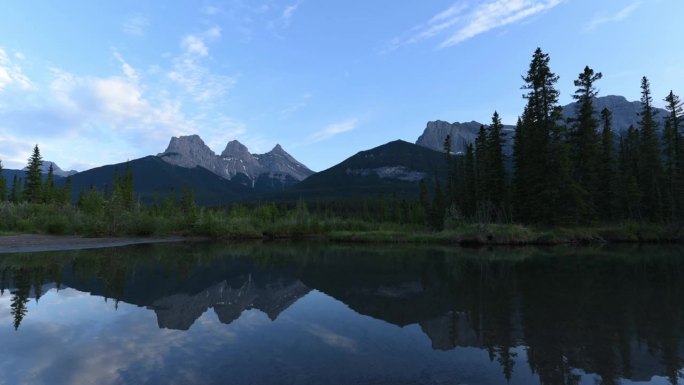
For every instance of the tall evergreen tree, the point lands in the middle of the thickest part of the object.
(469, 199)
(607, 171)
(585, 142)
(481, 165)
(3, 185)
(543, 177)
(496, 171)
(630, 197)
(674, 157)
(34, 178)
(49, 186)
(650, 165)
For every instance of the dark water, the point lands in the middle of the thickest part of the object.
(322, 314)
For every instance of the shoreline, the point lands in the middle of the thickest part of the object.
(30, 243)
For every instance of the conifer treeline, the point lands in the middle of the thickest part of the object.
(574, 172)
(34, 188)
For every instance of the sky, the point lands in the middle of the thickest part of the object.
(102, 82)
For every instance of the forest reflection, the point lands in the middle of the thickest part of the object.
(614, 312)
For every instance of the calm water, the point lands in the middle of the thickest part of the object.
(321, 314)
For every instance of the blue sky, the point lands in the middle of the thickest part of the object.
(100, 82)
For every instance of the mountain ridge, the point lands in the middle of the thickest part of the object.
(625, 113)
(191, 151)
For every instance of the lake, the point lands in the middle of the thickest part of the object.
(316, 313)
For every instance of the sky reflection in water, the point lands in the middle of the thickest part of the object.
(264, 317)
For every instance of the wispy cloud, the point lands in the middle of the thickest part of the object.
(195, 78)
(334, 129)
(135, 25)
(211, 10)
(466, 19)
(621, 14)
(289, 12)
(11, 73)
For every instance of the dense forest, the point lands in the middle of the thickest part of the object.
(574, 172)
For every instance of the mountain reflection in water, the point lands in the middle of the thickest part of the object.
(549, 316)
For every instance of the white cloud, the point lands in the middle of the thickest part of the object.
(334, 129)
(11, 73)
(289, 11)
(465, 20)
(211, 10)
(194, 45)
(126, 68)
(135, 25)
(618, 16)
(196, 79)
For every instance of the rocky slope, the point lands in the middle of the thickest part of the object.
(191, 151)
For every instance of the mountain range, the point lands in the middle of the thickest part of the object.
(238, 175)
(236, 161)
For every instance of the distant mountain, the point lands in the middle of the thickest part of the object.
(55, 169)
(155, 179)
(274, 170)
(625, 113)
(461, 134)
(393, 168)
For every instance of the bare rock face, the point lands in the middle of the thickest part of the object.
(190, 151)
(461, 134)
(236, 159)
(625, 113)
(279, 164)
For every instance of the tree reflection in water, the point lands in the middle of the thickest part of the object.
(615, 312)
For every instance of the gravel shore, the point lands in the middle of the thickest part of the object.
(26, 243)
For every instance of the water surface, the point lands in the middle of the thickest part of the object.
(285, 313)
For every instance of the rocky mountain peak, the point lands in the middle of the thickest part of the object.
(235, 149)
(190, 151)
(278, 149)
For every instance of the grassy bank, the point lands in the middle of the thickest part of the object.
(513, 234)
(270, 222)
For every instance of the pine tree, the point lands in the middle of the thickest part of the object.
(543, 172)
(481, 193)
(674, 156)
(630, 197)
(585, 141)
(650, 165)
(607, 171)
(34, 178)
(452, 179)
(3, 185)
(49, 186)
(496, 172)
(468, 200)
